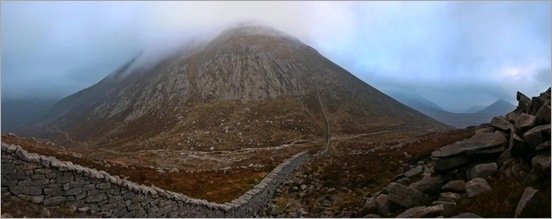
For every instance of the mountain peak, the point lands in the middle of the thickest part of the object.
(288, 88)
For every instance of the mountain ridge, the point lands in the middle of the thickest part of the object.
(209, 92)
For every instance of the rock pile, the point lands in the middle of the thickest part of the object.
(513, 147)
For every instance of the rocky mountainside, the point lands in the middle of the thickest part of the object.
(247, 87)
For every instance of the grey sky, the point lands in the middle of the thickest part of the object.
(457, 54)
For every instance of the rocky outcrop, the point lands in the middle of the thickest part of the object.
(514, 147)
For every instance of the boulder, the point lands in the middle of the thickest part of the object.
(536, 104)
(516, 144)
(443, 165)
(525, 122)
(467, 215)
(528, 198)
(544, 146)
(512, 117)
(536, 135)
(370, 205)
(414, 171)
(476, 187)
(506, 155)
(406, 196)
(428, 184)
(541, 163)
(458, 186)
(449, 197)
(501, 123)
(524, 103)
(477, 142)
(543, 115)
(483, 170)
(422, 212)
(484, 130)
(518, 172)
(383, 204)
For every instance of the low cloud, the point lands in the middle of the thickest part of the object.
(457, 54)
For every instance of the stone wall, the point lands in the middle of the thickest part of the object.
(47, 180)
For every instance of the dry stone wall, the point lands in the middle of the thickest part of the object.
(51, 182)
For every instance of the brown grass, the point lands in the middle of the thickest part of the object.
(209, 185)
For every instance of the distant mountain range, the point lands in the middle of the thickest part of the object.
(474, 115)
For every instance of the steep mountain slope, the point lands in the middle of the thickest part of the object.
(250, 86)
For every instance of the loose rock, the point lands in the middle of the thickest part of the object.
(476, 187)
(527, 199)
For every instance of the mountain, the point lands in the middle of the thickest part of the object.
(16, 112)
(250, 86)
(414, 101)
(499, 107)
(474, 109)
(459, 120)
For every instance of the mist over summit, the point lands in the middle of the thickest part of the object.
(252, 81)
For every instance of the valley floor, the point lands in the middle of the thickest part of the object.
(334, 184)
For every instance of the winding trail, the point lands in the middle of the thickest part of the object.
(328, 131)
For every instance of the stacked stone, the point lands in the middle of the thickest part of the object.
(51, 182)
(514, 147)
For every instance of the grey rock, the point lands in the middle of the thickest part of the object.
(449, 197)
(33, 158)
(72, 208)
(507, 154)
(37, 199)
(96, 198)
(54, 201)
(443, 165)
(383, 204)
(536, 135)
(543, 115)
(422, 211)
(544, 146)
(458, 154)
(516, 144)
(83, 209)
(524, 103)
(536, 104)
(372, 216)
(467, 215)
(518, 172)
(428, 184)
(476, 187)
(528, 198)
(406, 196)
(458, 186)
(370, 205)
(541, 162)
(74, 191)
(477, 142)
(483, 170)
(501, 123)
(484, 130)
(414, 171)
(45, 212)
(525, 122)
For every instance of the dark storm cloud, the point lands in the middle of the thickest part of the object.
(456, 54)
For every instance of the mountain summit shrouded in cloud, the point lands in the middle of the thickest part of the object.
(457, 54)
